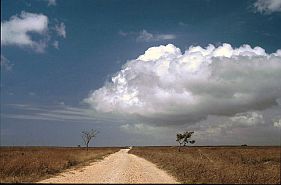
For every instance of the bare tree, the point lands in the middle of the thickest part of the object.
(88, 135)
(184, 139)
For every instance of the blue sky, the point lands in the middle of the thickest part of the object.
(66, 51)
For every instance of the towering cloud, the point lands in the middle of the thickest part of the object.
(166, 86)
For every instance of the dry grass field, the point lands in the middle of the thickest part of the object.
(246, 165)
(30, 164)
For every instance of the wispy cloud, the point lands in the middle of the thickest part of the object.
(182, 24)
(122, 33)
(145, 36)
(267, 6)
(51, 2)
(56, 44)
(60, 29)
(6, 64)
(59, 112)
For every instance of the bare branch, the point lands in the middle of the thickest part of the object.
(88, 135)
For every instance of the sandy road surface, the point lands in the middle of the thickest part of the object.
(119, 167)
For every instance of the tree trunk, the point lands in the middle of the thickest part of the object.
(87, 146)
(179, 149)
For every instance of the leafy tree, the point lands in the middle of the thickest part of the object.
(184, 139)
(87, 136)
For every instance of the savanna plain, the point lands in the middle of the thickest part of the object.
(223, 164)
(235, 165)
(31, 164)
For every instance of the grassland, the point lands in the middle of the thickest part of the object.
(30, 164)
(235, 165)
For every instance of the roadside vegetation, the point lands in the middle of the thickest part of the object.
(30, 164)
(235, 165)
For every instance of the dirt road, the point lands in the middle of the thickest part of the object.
(119, 167)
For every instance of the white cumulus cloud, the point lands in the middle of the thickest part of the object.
(268, 6)
(166, 86)
(17, 30)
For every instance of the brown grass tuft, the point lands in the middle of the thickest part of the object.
(235, 165)
(30, 164)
